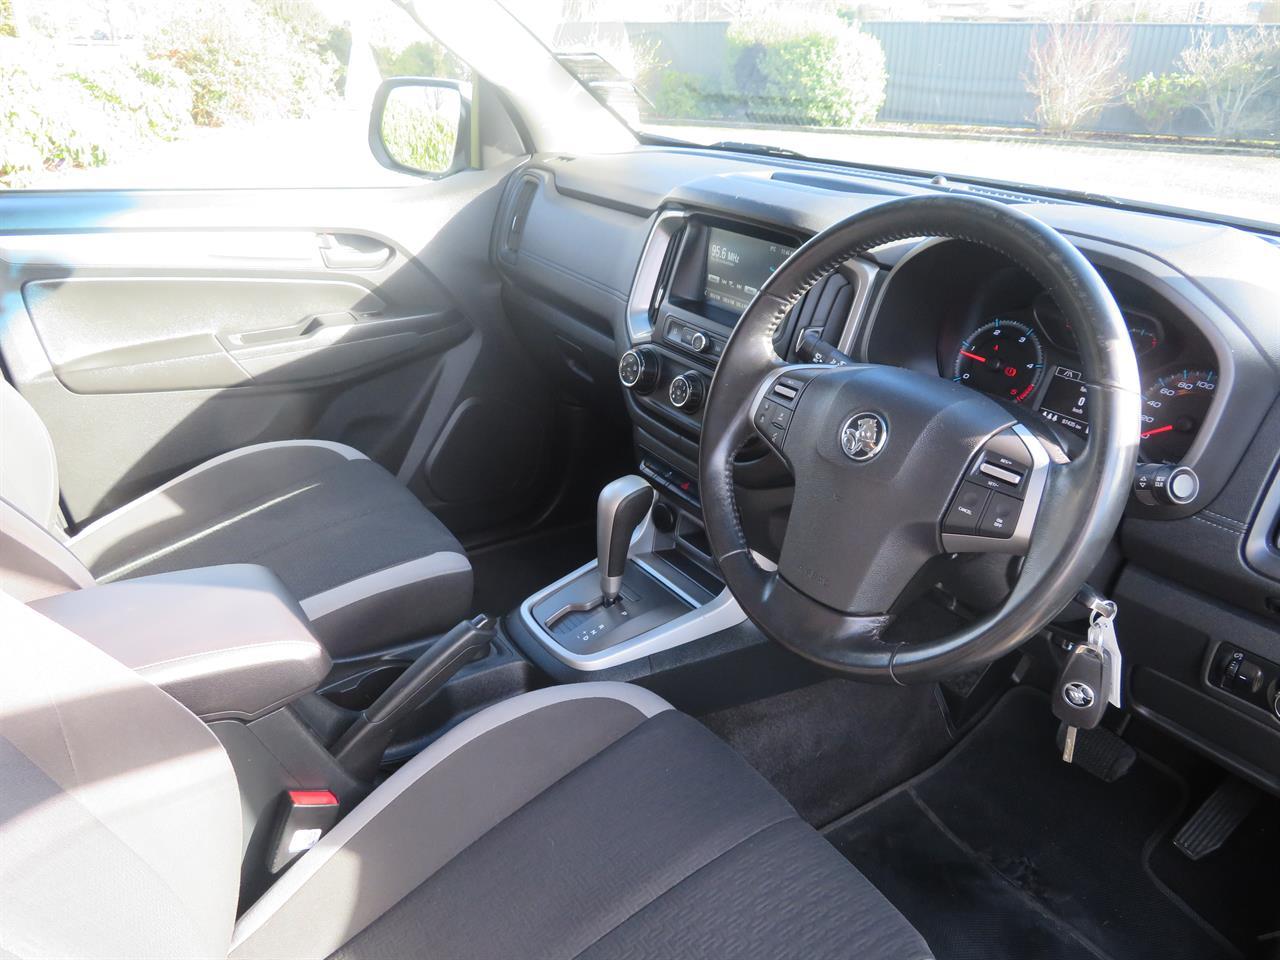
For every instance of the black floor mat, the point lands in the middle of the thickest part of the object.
(507, 573)
(822, 746)
(1001, 850)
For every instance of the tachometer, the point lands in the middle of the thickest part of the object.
(1173, 407)
(1003, 358)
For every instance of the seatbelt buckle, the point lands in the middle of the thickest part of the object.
(305, 816)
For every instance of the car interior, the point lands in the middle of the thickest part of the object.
(623, 548)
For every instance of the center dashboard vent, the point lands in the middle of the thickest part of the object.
(825, 308)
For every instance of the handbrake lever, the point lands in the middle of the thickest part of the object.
(360, 749)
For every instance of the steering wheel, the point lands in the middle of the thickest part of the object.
(894, 467)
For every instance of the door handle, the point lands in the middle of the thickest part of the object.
(352, 251)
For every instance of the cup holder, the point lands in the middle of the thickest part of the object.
(360, 691)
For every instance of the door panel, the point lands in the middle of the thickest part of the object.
(153, 330)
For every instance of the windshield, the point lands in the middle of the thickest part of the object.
(1163, 102)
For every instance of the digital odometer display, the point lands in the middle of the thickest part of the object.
(738, 266)
(1066, 401)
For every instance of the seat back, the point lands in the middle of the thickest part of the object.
(119, 811)
(34, 561)
(28, 467)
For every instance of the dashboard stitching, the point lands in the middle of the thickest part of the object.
(1231, 520)
(1220, 526)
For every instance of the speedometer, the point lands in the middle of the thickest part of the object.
(1003, 358)
(1173, 408)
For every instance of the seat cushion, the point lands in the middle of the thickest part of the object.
(370, 565)
(586, 820)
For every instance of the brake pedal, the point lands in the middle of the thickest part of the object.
(1100, 752)
(1218, 817)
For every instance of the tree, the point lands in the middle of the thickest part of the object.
(1233, 81)
(1075, 72)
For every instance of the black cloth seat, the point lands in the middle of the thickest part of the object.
(610, 826)
(586, 820)
(370, 565)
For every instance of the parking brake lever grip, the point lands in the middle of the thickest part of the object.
(360, 749)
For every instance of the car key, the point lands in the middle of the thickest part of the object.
(1080, 698)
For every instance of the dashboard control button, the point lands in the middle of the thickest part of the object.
(698, 341)
(966, 509)
(686, 392)
(1000, 517)
(1161, 484)
(638, 369)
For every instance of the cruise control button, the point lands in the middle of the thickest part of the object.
(1000, 517)
(965, 510)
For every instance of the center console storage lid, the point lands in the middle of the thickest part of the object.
(227, 642)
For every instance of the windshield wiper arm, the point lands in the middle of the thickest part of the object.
(743, 146)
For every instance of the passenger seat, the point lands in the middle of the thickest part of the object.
(370, 565)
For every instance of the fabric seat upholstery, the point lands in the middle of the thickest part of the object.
(582, 821)
(588, 820)
(370, 565)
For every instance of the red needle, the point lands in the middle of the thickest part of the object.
(1151, 433)
(973, 356)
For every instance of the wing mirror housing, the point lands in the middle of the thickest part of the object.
(422, 126)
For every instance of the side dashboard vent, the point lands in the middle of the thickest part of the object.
(664, 275)
(824, 308)
(518, 217)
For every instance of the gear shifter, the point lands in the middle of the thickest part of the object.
(623, 505)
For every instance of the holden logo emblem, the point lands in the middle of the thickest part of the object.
(1079, 695)
(863, 436)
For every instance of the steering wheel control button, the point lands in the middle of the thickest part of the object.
(863, 436)
(1000, 473)
(1001, 516)
(966, 509)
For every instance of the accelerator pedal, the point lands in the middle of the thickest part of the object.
(1212, 825)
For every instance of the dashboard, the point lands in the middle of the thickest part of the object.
(635, 268)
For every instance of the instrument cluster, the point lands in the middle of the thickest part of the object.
(1028, 356)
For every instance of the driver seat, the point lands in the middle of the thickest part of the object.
(590, 820)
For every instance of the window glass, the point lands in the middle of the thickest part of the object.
(1171, 102)
(203, 93)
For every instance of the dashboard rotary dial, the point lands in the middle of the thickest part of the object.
(1003, 358)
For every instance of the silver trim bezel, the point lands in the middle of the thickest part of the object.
(665, 227)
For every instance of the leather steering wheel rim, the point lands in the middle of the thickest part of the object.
(1082, 499)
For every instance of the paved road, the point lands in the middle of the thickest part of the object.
(1234, 185)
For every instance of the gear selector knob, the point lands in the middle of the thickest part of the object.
(622, 507)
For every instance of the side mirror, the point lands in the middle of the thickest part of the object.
(421, 125)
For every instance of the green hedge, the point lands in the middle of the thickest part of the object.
(210, 64)
(821, 72)
(419, 138)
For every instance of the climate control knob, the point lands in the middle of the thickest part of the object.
(638, 369)
(686, 392)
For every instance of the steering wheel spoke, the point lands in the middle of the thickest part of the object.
(995, 507)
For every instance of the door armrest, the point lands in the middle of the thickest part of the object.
(227, 642)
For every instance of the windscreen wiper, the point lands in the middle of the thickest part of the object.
(763, 149)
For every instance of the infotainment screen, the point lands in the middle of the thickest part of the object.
(737, 266)
(1066, 400)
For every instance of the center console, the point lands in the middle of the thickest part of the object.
(697, 274)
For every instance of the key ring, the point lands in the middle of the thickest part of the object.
(1101, 609)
